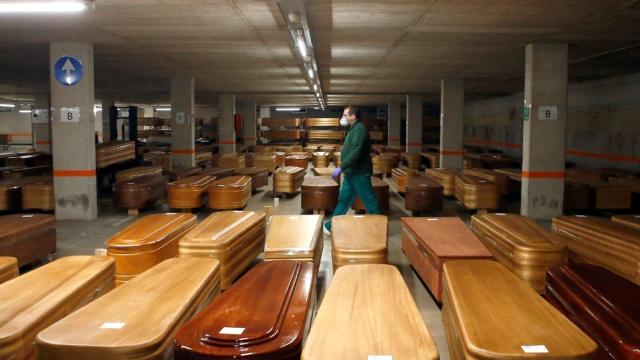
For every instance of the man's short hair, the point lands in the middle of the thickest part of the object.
(353, 110)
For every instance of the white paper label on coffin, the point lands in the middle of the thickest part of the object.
(231, 331)
(534, 349)
(112, 325)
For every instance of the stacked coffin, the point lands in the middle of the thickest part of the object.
(266, 161)
(320, 159)
(476, 193)
(37, 193)
(400, 177)
(521, 245)
(359, 239)
(488, 313)
(235, 238)
(8, 268)
(325, 134)
(288, 179)
(319, 193)
(428, 243)
(114, 152)
(147, 242)
(10, 194)
(632, 221)
(259, 176)
(601, 242)
(29, 159)
(602, 304)
(388, 162)
(411, 160)
(423, 194)
(181, 172)
(277, 301)
(381, 189)
(282, 134)
(604, 195)
(39, 298)
(229, 193)
(138, 171)
(292, 122)
(297, 160)
(27, 237)
(139, 192)
(369, 313)
(335, 122)
(137, 320)
(189, 193)
(232, 160)
(295, 237)
(446, 178)
(501, 180)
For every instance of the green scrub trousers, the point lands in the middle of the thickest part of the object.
(352, 186)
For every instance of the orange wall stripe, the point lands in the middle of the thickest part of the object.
(612, 157)
(183, 151)
(74, 173)
(495, 143)
(543, 174)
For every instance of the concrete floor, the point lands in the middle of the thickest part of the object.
(76, 238)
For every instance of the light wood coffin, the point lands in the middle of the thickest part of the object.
(190, 192)
(446, 178)
(259, 176)
(322, 122)
(400, 176)
(114, 152)
(265, 161)
(428, 243)
(301, 161)
(320, 159)
(232, 160)
(280, 156)
(8, 268)
(203, 158)
(359, 239)
(37, 194)
(522, 245)
(411, 160)
(295, 237)
(27, 237)
(293, 122)
(138, 320)
(381, 189)
(388, 162)
(325, 134)
(288, 179)
(265, 149)
(235, 238)
(138, 171)
(501, 180)
(10, 194)
(368, 311)
(576, 196)
(147, 242)
(632, 221)
(39, 298)
(337, 158)
(276, 299)
(423, 194)
(603, 304)
(601, 242)
(488, 313)
(230, 193)
(319, 193)
(476, 193)
(139, 192)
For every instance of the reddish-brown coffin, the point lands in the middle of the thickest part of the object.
(28, 237)
(265, 315)
(189, 193)
(423, 194)
(603, 304)
(381, 189)
(259, 176)
(430, 242)
(139, 192)
(114, 152)
(319, 193)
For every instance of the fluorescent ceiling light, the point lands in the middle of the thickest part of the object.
(287, 109)
(42, 6)
(7, 105)
(163, 109)
(25, 111)
(302, 46)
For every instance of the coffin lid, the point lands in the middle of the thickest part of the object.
(518, 230)
(294, 234)
(218, 171)
(324, 171)
(599, 227)
(321, 153)
(18, 225)
(232, 181)
(220, 228)
(473, 180)
(319, 181)
(632, 221)
(250, 171)
(230, 156)
(151, 230)
(196, 180)
(141, 180)
(441, 172)
(264, 157)
(422, 182)
(290, 170)
(446, 237)
(360, 232)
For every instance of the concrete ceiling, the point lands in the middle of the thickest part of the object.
(368, 51)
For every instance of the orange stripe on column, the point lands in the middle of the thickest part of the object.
(183, 151)
(43, 142)
(74, 173)
(543, 174)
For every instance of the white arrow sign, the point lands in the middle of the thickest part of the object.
(68, 68)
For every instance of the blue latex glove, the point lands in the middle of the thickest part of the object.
(336, 173)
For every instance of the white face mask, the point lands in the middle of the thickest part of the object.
(344, 121)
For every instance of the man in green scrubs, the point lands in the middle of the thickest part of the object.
(356, 166)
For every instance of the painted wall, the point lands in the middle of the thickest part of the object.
(603, 129)
(15, 124)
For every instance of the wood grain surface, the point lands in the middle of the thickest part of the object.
(27, 237)
(423, 194)
(232, 192)
(189, 192)
(231, 160)
(259, 176)
(8, 268)
(446, 178)
(288, 179)
(134, 172)
(359, 239)
(295, 237)
(476, 193)
(37, 194)
(319, 193)
(265, 161)
(632, 221)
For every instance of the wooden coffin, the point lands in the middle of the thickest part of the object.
(400, 177)
(301, 161)
(280, 156)
(320, 159)
(295, 237)
(158, 158)
(265, 149)
(381, 189)
(282, 134)
(294, 122)
(22, 172)
(37, 194)
(430, 242)
(618, 173)
(277, 301)
(232, 160)
(446, 178)
(10, 194)
(604, 305)
(319, 193)
(432, 159)
(230, 193)
(140, 192)
(335, 122)
(609, 196)
(249, 159)
(423, 194)
(632, 183)
(27, 237)
(601, 242)
(576, 196)
(288, 149)
(114, 152)
(632, 221)
(39, 298)
(29, 159)
(218, 172)
(513, 174)
(190, 192)
(138, 171)
(488, 313)
(137, 320)
(369, 313)
(388, 162)
(147, 242)
(325, 134)
(259, 176)
(522, 245)
(8, 268)
(499, 161)
(501, 180)
(359, 239)
(288, 179)
(235, 238)
(203, 158)
(337, 157)
(589, 175)
(181, 172)
(476, 193)
(411, 160)
(266, 161)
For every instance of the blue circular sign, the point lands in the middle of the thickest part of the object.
(68, 70)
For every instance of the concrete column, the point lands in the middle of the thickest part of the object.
(545, 116)
(74, 148)
(183, 147)
(41, 122)
(249, 122)
(414, 123)
(226, 130)
(394, 125)
(451, 123)
(106, 105)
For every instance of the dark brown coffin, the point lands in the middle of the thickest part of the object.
(259, 176)
(140, 192)
(576, 196)
(37, 193)
(22, 172)
(602, 304)
(423, 194)
(319, 193)
(10, 194)
(114, 152)
(265, 316)
(29, 160)
(27, 237)
(181, 172)
(218, 172)
(381, 189)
